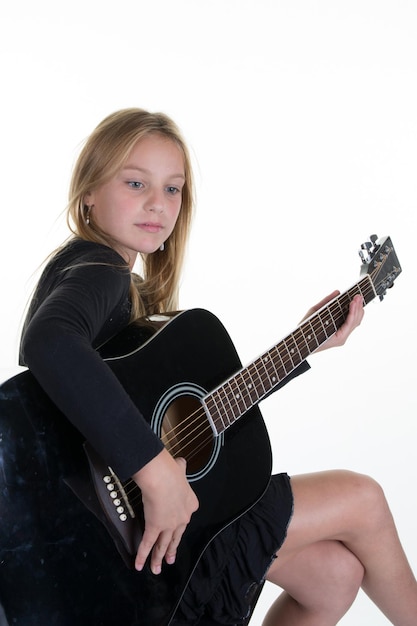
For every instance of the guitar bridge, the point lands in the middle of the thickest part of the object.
(120, 518)
(118, 496)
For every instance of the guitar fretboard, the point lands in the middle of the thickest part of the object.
(249, 386)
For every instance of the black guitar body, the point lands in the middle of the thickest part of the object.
(59, 560)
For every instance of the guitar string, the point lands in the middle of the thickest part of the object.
(192, 423)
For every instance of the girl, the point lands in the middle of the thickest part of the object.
(131, 196)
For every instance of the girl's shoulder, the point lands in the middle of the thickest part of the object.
(78, 251)
(85, 257)
(85, 262)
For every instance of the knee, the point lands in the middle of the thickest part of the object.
(369, 500)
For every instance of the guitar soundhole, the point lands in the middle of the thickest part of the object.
(186, 432)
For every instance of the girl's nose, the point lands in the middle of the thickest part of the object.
(155, 201)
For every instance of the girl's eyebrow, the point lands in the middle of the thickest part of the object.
(145, 171)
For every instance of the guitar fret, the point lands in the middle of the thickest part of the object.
(266, 362)
(238, 396)
(278, 364)
(269, 379)
(288, 352)
(320, 331)
(343, 304)
(293, 350)
(327, 322)
(302, 345)
(225, 400)
(260, 389)
(369, 294)
(251, 387)
(244, 388)
(235, 408)
(341, 309)
(215, 413)
(282, 352)
(227, 407)
(272, 372)
(309, 336)
(362, 294)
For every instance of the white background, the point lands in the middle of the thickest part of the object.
(301, 117)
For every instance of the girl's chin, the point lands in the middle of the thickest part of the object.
(149, 249)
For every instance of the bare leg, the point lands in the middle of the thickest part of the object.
(350, 509)
(321, 582)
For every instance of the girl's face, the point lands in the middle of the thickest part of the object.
(139, 206)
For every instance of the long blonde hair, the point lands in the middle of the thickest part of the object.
(103, 155)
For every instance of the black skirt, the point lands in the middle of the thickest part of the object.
(229, 577)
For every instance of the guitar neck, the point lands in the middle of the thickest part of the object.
(228, 402)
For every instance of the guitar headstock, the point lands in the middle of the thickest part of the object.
(380, 261)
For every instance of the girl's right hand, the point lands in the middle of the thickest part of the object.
(168, 503)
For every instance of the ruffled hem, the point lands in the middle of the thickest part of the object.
(227, 581)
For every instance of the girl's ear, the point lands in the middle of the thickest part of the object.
(88, 198)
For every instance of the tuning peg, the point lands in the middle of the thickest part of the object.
(364, 252)
(368, 249)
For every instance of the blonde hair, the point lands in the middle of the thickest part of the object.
(102, 157)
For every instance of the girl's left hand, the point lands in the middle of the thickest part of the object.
(353, 320)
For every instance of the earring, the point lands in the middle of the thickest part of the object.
(162, 247)
(87, 213)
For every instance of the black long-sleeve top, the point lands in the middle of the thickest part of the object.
(81, 301)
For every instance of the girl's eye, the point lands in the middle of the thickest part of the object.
(173, 190)
(135, 184)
